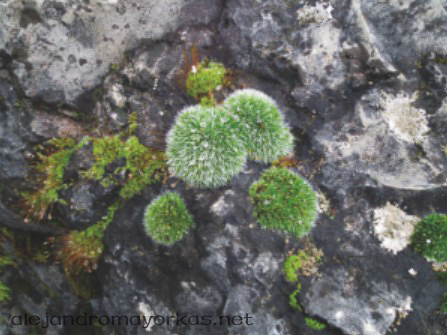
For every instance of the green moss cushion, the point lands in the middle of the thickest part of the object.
(262, 126)
(203, 147)
(284, 201)
(430, 237)
(166, 219)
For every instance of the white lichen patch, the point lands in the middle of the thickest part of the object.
(407, 122)
(324, 205)
(314, 14)
(393, 227)
(401, 312)
(223, 206)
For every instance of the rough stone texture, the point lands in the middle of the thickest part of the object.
(13, 133)
(348, 308)
(393, 161)
(362, 85)
(62, 49)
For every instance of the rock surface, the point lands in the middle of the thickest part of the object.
(362, 84)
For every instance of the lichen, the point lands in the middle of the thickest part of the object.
(407, 122)
(393, 227)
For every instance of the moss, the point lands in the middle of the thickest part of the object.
(261, 125)
(203, 147)
(303, 263)
(166, 219)
(106, 150)
(5, 293)
(314, 324)
(284, 201)
(81, 250)
(207, 102)
(21, 105)
(6, 261)
(285, 162)
(204, 79)
(144, 166)
(51, 167)
(430, 237)
(291, 266)
(293, 299)
(114, 67)
(133, 123)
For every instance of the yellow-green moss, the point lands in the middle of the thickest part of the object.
(51, 168)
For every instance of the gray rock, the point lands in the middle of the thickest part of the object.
(63, 49)
(338, 299)
(14, 133)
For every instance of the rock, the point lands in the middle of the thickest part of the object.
(337, 299)
(49, 125)
(14, 133)
(378, 142)
(61, 49)
(361, 84)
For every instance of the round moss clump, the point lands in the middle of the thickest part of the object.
(430, 237)
(203, 147)
(167, 219)
(284, 201)
(262, 126)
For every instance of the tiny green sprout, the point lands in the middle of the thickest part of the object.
(293, 299)
(5, 293)
(314, 324)
(291, 266)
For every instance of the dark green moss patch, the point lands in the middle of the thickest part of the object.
(284, 201)
(430, 237)
(167, 220)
